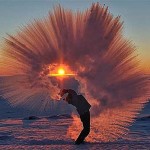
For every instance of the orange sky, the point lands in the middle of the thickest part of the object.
(135, 14)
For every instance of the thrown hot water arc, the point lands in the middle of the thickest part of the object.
(88, 46)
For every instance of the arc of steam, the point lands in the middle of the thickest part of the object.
(92, 49)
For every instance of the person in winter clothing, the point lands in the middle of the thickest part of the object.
(83, 108)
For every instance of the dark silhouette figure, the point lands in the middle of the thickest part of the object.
(82, 107)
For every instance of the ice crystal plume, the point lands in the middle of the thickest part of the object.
(92, 45)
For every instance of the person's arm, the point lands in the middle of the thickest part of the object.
(62, 92)
(69, 98)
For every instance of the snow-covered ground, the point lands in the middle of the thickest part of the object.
(19, 131)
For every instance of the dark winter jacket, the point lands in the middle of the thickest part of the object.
(78, 101)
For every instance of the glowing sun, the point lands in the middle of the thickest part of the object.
(61, 71)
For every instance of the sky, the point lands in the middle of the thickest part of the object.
(134, 13)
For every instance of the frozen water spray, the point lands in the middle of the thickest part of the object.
(93, 51)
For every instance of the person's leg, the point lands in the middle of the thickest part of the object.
(85, 118)
(86, 124)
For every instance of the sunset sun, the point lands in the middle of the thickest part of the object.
(61, 71)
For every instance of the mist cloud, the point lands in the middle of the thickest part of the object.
(90, 44)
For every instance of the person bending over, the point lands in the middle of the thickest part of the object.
(83, 108)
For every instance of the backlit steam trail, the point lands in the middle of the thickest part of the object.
(91, 46)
